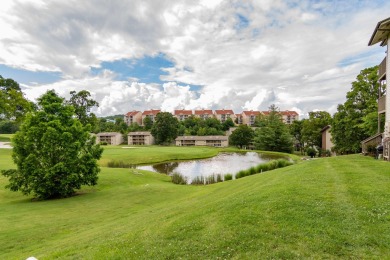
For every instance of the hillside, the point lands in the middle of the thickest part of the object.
(326, 208)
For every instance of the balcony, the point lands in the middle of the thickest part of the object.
(382, 70)
(382, 104)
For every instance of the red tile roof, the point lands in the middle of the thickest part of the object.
(285, 113)
(224, 112)
(132, 113)
(289, 113)
(151, 112)
(251, 113)
(182, 112)
(204, 112)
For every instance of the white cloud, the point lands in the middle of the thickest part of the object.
(300, 55)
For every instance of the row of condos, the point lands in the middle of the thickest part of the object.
(146, 138)
(246, 117)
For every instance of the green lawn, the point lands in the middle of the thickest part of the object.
(325, 208)
(5, 137)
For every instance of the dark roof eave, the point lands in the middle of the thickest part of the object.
(377, 29)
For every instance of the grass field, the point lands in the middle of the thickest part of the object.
(335, 207)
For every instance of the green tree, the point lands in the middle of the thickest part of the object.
(165, 128)
(242, 136)
(13, 104)
(357, 119)
(227, 124)
(54, 153)
(148, 123)
(296, 132)
(82, 104)
(274, 135)
(311, 128)
(120, 125)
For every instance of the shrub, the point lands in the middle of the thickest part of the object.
(177, 178)
(280, 163)
(103, 143)
(119, 164)
(210, 179)
(283, 163)
(219, 178)
(228, 177)
(311, 152)
(252, 170)
(198, 180)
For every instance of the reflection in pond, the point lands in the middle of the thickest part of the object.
(223, 163)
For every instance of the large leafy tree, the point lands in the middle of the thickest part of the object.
(13, 104)
(355, 120)
(274, 135)
(165, 128)
(54, 153)
(311, 128)
(242, 136)
(83, 104)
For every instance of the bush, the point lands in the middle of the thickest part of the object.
(228, 177)
(210, 179)
(311, 152)
(177, 178)
(252, 170)
(280, 163)
(8, 127)
(103, 143)
(119, 164)
(241, 174)
(198, 180)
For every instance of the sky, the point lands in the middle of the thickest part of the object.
(210, 54)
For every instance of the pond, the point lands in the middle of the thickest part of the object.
(223, 163)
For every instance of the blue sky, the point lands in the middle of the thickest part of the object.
(241, 55)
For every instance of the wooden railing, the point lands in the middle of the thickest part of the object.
(382, 70)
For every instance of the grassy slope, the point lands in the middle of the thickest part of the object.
(327, 208)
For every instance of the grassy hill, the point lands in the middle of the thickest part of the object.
(326, 208)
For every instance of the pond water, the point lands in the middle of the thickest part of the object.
(223, 163)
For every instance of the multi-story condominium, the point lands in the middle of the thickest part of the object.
(111, 138)
(288, 117)
(249, 117)
(223, 115)
(140, 138)
(214, 140)
(204, 113)
(133, 117)
(182, 115)
(151, 114)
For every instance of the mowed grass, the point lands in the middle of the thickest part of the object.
(326, 208)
